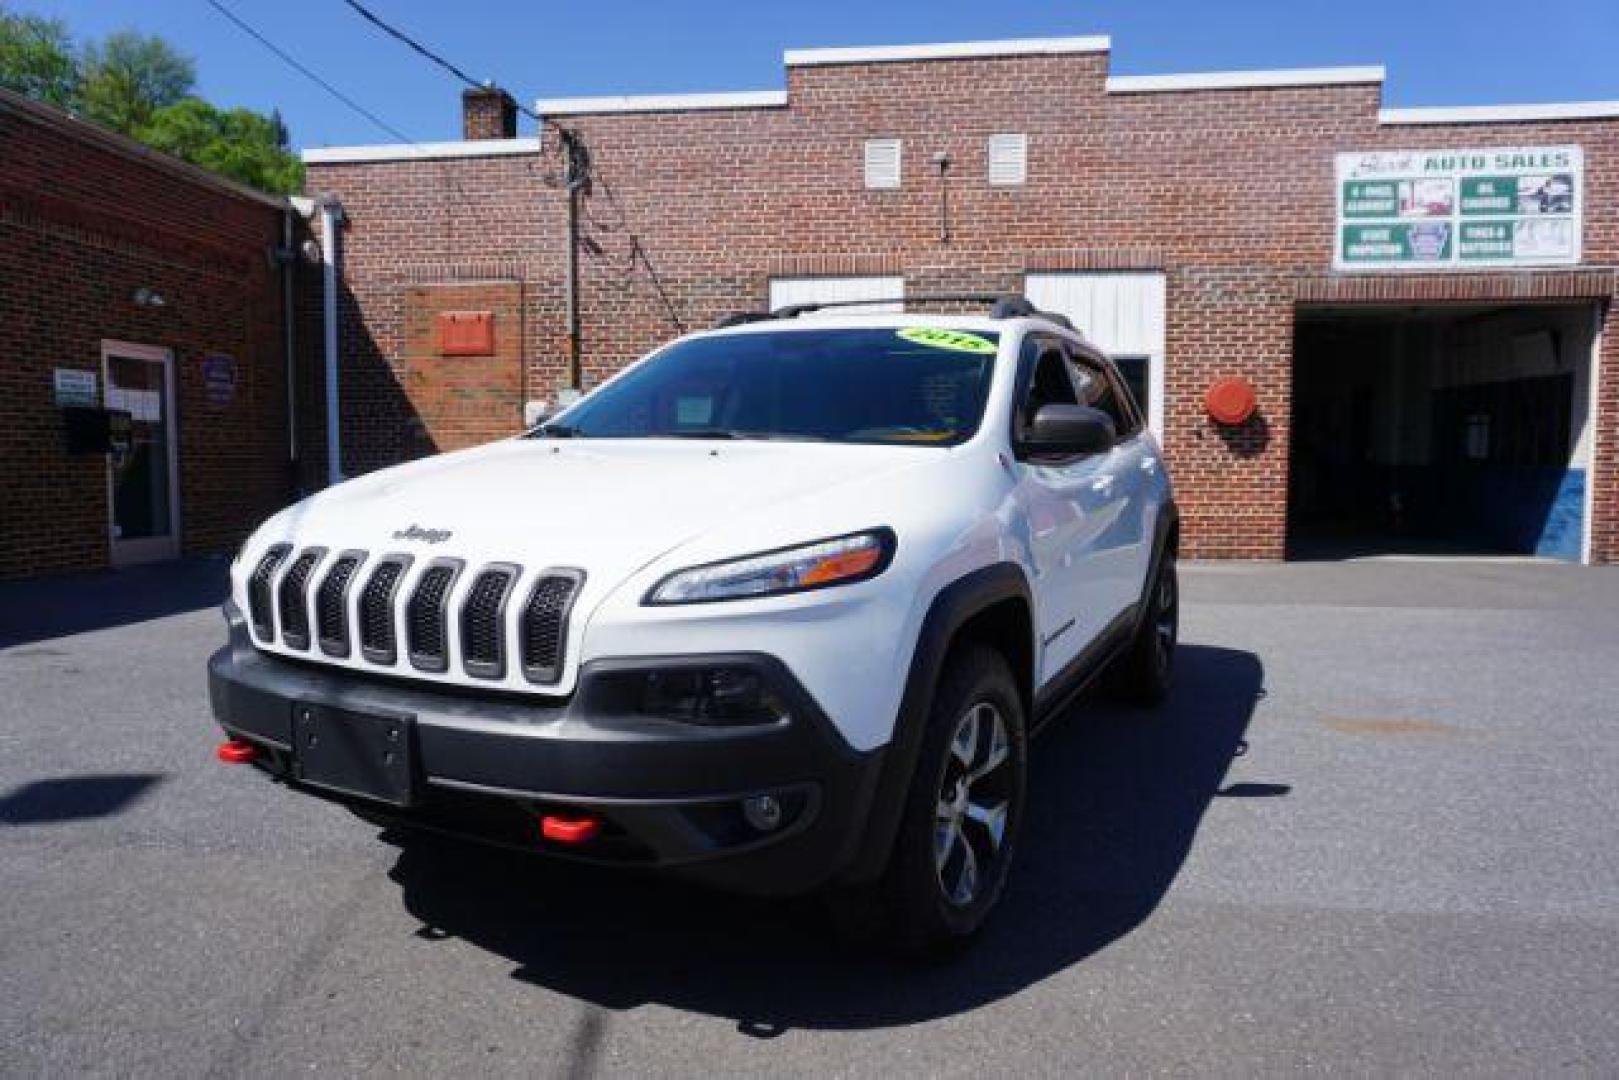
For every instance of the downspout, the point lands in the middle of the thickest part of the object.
(331, 216)
(288, 344)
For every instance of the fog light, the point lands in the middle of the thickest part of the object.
(762, 812)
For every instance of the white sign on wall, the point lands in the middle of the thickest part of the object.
(72, 387)
(1463, 209)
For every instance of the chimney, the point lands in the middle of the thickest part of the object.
(488, 113)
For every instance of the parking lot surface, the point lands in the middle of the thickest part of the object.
(1373, 831)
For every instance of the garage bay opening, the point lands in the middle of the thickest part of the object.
(1441, 430)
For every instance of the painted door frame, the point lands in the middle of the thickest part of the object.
(155, 548)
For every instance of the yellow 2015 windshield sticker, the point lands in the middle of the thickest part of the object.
(954, 340)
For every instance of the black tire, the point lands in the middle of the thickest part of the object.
(1143, 674)
(932, 908)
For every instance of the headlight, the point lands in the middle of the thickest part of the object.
(839, 561)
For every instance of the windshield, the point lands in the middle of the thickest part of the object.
(907, 385)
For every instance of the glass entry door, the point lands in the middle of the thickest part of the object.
(142, 483)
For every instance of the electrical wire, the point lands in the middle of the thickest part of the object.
(293, 63)
(411, 43)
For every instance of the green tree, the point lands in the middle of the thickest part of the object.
(129, 76)
(141, 86)
(238, 143)
(37, 59)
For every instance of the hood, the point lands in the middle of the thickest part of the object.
(610, 506)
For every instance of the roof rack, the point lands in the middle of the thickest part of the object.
(1002, 306)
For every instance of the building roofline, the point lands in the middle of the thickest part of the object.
(1488, 114)
(635, 103)
(952, 50)
(1244, 80)
(432, 151)
(83, 130)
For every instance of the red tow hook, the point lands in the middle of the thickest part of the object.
(569, 830)
(236, 752)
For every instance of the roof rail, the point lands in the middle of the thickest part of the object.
(1002, 306)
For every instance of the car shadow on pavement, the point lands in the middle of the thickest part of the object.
(38, 609)
(1116, 796)
(74, 798)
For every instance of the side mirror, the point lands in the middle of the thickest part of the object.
(1067, 431)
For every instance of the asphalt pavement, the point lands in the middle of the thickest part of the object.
(1372, 832)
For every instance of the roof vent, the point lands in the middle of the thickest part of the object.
(1008, 159)
(882, 164)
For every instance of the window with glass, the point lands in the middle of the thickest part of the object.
(897, 385)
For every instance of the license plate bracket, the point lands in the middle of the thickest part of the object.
(368, 754)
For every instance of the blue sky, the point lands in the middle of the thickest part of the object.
(1439, 52)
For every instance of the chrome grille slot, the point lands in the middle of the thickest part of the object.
(425, 622)
(544, 632)
(377, 610)
(292, 599)
(483, 622)
(258, 591)
(332, 604)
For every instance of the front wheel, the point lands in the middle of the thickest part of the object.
(956, 839)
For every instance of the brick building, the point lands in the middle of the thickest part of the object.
(138, 284)
(1417, 297)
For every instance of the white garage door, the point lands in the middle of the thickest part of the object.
(1123, 313)
(807, 290)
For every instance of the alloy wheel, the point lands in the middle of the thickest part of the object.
(975, 799)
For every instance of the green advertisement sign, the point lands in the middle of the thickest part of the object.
(1397, 242)
(1482, 208)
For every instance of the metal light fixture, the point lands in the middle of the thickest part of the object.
(148, 298)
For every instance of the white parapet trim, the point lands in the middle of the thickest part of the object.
(1243, 80)
(637, 103)
(953, 50)
(1493, 114)
(469, 148)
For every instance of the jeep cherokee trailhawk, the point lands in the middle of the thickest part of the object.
(776, 608)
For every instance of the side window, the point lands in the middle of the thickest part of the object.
(1046, 379)
(1098, 389)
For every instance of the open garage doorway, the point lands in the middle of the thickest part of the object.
(1441, 430)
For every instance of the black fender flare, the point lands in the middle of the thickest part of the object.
(955, 604)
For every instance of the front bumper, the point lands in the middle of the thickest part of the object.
(669, 794)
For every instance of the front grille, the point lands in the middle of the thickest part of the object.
(303, 597)
(483, 623)
(332, 604)
(424, 617)
(293, 599)
(377, 610)
(258, 591)
(545, 624)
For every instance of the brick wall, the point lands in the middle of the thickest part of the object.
(83, 225)
(1229, 192)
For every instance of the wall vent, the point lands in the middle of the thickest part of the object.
(1008, 159)
(882, 164)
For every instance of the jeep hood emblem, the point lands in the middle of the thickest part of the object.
(429, 536)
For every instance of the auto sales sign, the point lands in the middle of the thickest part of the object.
(1467, 209)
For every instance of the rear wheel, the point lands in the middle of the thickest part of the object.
(1143, 673)
(955, 842)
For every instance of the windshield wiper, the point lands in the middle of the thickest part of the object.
(558, 431)
(736, 433)
(700, 433)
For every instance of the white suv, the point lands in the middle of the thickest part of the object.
(776, 608)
